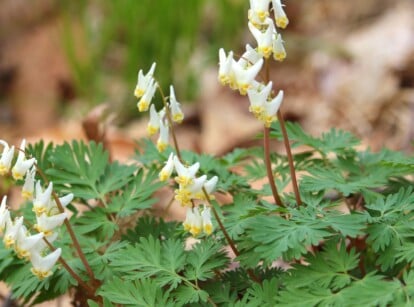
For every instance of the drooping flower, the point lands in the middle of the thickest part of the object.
(271, 108)
(209, 187)
(6, 158)
(167, 169)
(29, 184)
(4, 214)
(263, 38)
(144, 81)
(279, 52)
(145, 100)
(42, 266)
(47, 224)
(154, 122)
(226, 75)
(22, 165)
(12, 228)
(184, 194)
(206, 218)
(185, 174)
(42, 198)
(196, 223)
(176, 113)
(25, 242)
(259, 11)
(163, 139)
(258, 98)
(246, 75)
(280, 16)
(52, 208)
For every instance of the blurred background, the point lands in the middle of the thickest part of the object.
(68, 70)
(67, 67)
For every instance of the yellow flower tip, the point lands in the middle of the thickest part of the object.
(152, 130)
(262, 15)
(8, 242)
(208, 229)
(279, 56)
(38, 210)
(195, 231)
(139, 92)
(256, 110)
(187, 226)
(223, 79)
(184, 181)
(27, 195)
(282, 22)
(266, 51)
(243, 88)
(178, 118)
(40, 274)
(3, 170)
(17, 175)
(161, 146)
(163, 176)
(268, 120)
(22, 254)
(143, 106)
(183, 196)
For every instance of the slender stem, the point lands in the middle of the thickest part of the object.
(69, 228)
(289, 156)
(269, 171)
(170, 123)
(62, 261)
(227, 236)
(266, 143)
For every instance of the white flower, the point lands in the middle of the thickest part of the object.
(249, 57)
(42, 198)
(145, 101)
(52, 208)
(280, 16)
(206, 218)
(192, 191)
(271, 108)
(263, 38)
(177, 114)
(144, 81)
(42, 265)
(185, 174)
(226, 75)
(279, 52)
(22, 165)
(167, 169)
(6, 158)
(258, 98)
(12, 228)
(29, 184)
(47, 224)
(25, 242)
(4, 214)
(154, 122)
(196, 222)
(163, 139)
(210, 185)
(246, 75)
(259, 11)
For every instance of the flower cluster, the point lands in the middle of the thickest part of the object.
(145, 90)
(241, 74)
(32, 247)
(191, 188)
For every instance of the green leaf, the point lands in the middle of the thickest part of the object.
(143, 292)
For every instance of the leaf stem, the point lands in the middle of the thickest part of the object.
(266, 143)
(289, 156)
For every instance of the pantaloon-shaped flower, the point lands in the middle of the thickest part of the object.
(29, 184)
(280, 16)
(263, 38)
(163, 139)
(176, 113)
(6, 158)
(12, 228)
(259, 11)
(185, 174)
(25, 242)
(154, 122)
(22, 165)
(4, 214)
(279, 52)
(246, 75)
(145, 101)
(42, 266)
(144, 81)
(42, 198)
(47, 224)
(167, 169)
(258, 97)
(226, 75)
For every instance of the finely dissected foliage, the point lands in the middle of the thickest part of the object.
(344, 236)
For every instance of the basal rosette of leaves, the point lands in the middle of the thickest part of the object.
(345, 237)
